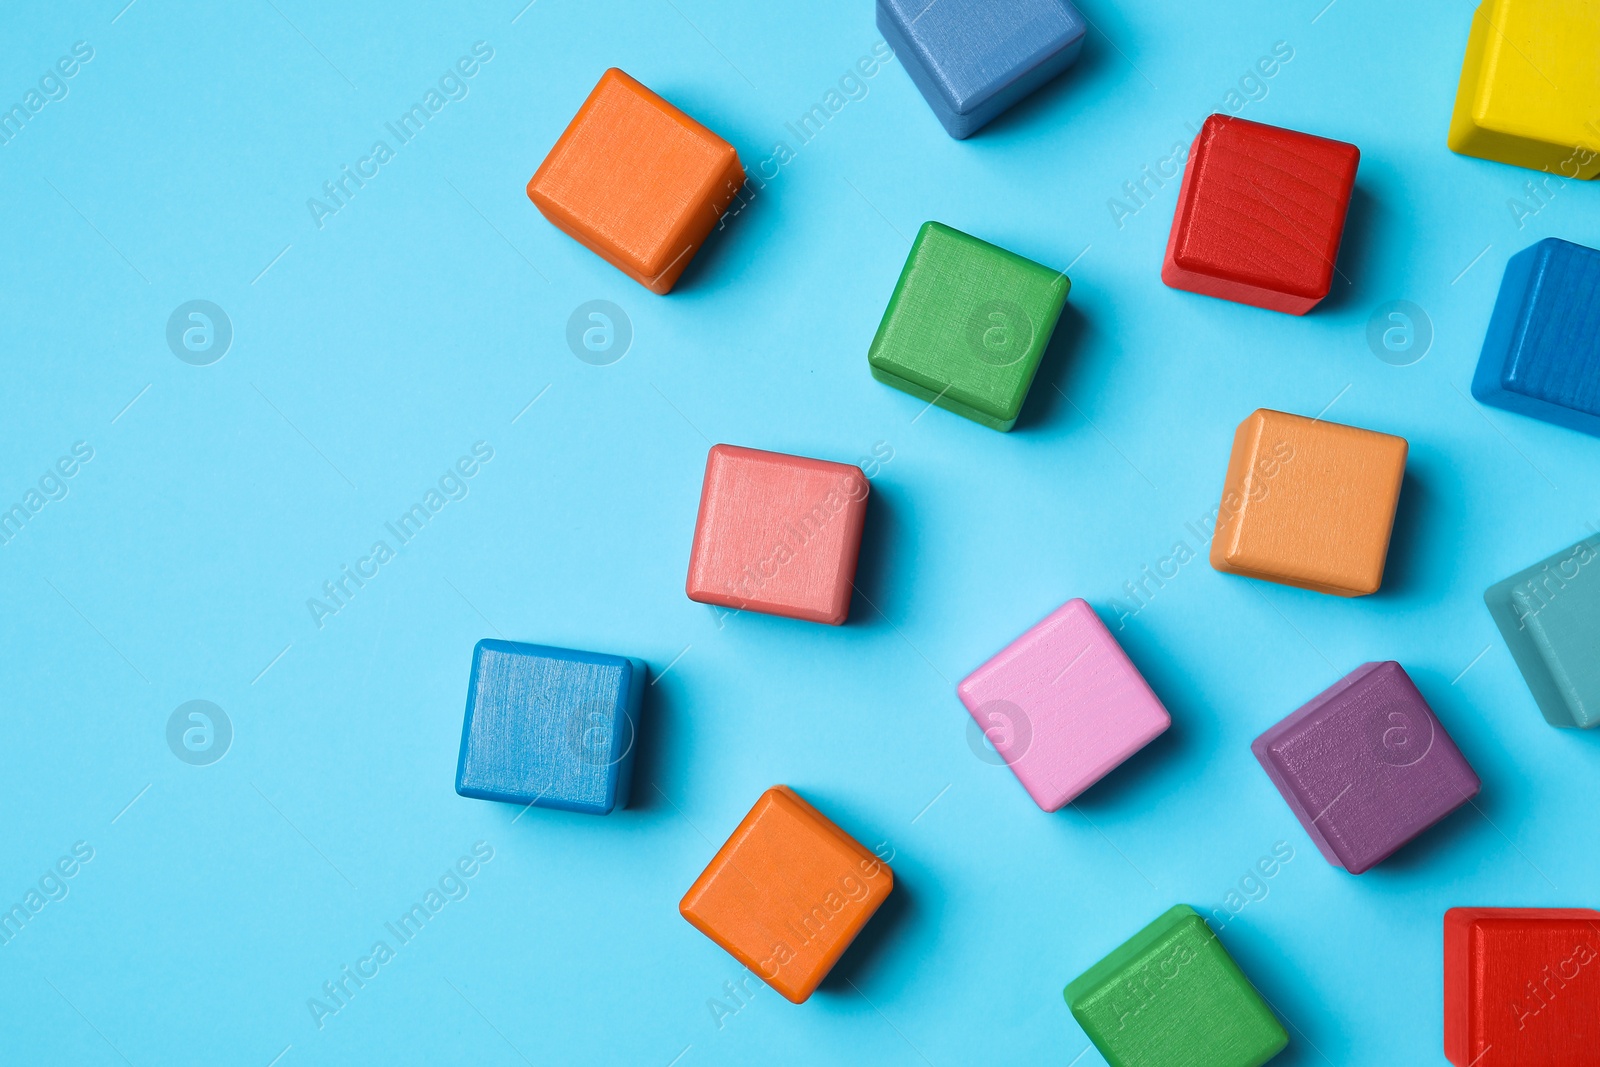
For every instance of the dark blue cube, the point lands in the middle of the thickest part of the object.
(973, 59)
(550, 727)
(1542, 353)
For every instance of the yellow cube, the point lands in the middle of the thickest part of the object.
(1529, 94)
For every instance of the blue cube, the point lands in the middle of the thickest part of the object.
(550, 727)
(1542, 353)
(973, 59)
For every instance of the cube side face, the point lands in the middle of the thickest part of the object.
(968, 324)
(1172, 995)
(1507, 324)
(550, 727)
(778, 534)
(1549, 616)
(1063, 705)
(1310, 504)
(972, 59)
(1527, 94)
(1260, 215)
(1552, 363)
(636, 181)
(1522, 986)
(1457, 984)
(1372, 764)
(787, 893)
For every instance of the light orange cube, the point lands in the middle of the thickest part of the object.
(1309, 503)
(636, 181)
(787, 893)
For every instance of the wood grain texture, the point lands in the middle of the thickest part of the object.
(1549, 615)
(637, 181)
(1541, 354)
(974, 59)
(1260, 215)
(1522, 987)
(1366, 766)
(1063, 705)
(1528, 95)
(1171, 996)
(967, 325)
(550, 727)
(1309, 503)
(777, 534)
(787, 893)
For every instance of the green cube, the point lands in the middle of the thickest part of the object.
(1171, 996)
(967, 325)
(1549, 616)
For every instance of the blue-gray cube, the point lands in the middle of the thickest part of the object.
(1541, 356)
(550, 727)
(973, 59)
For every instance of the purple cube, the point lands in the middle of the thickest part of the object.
(1366, 766)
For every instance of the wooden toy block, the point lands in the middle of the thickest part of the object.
(1528, 94)
(1063, 705)
(1549, 616)
(1260, 215)
(967, 326)
(973, 59)
(1541, 356)
(1522, 987)
(1309, 503)
(787, 893)
(1366, 766)
(636, 181)
(777, 534)
(1172, 995)
(550, 727)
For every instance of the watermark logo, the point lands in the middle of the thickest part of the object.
(1000, 332)
(999, 732)
(1399, 333)
(1401, 736)
(199, 733)
(599, 333)
(199, 333)
(589, 735)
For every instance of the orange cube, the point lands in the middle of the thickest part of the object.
(1309, 503)
(636, 181)
(787, 893)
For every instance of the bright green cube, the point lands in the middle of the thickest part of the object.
(1171, 996)
(967, 325)
(1549, 616)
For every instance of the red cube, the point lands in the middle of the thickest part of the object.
(777, 534)
(1260, 215)
(1522, 987)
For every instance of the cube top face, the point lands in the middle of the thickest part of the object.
(1366, 766)
(637, 181)
(1541, 355)
(1063, 705)
(967, 325)
(971, 51)
(787, 893)
(550, 727)
(1260, 215)
(1309, 503)
(778, 534)
(1171, 995)
(1522, 987)
(1549, 615)
(1528, 95)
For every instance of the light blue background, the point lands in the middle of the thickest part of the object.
(426, 315)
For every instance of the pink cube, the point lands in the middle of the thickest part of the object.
(1063, 705)
(777, 534)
